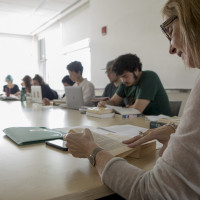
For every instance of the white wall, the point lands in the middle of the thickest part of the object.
(76, 26)
(73, 28)
(18, 57)
(133, 27)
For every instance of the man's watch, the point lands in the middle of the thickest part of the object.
(92, 157)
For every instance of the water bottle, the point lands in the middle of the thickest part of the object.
(7, 91)
(28, 97)
(23, 94)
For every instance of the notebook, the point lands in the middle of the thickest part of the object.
(29, 135)
(124, 111)
(74, 97)
(36, 94)
(10, 98)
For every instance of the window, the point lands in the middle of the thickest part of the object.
(18, 58)
(56, 65)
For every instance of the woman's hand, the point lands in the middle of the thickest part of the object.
(162, 134)
(17, 94)
(80, 145)
(46, 101)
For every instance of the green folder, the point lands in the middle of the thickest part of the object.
(29, 135)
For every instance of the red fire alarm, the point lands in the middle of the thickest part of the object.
(104, 30)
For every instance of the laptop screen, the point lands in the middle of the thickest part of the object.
(74, 97)
(36, 94)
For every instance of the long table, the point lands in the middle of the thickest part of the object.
(40, 172)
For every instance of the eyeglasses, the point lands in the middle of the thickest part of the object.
(165, 24)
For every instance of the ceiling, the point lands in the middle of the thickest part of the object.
(28, 17)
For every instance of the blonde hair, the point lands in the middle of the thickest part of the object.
(188, 12)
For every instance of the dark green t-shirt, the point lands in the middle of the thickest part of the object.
(150, 88)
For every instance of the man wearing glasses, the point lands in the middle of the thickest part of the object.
(111, 88)
(141, 90)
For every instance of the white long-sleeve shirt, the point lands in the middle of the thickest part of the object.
(176, 174)
(88, 91)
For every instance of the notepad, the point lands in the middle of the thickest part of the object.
(124, 111)
(29, 135)
(10, 98)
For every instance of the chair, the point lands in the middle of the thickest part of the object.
(175, 107)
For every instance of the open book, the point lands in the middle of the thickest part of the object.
(124, 111)
(113, 144)
(59, 101)
(163, 121)
(10, 98)
(100, 112)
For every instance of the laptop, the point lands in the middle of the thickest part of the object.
(36, 94)
(74, 97)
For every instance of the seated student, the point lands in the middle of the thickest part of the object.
(27, 82)
(47, 92)
(11, 88)
(115, 81)
(67, 82)
(75, 70)
(141, 90)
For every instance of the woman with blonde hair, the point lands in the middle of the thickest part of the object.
(176, 173)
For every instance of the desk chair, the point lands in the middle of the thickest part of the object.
(175, 107)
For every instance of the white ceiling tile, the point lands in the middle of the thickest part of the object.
(25, 16)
